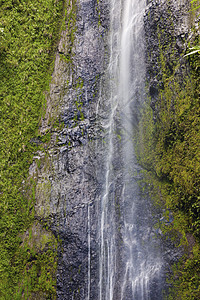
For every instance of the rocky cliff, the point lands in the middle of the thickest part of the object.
(168, 140)
(68, 172)
(68, 179)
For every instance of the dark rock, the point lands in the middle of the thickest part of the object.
(69, 185)
(167, 29)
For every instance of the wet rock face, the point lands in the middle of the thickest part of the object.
(68, 176)
(167, 26)
(77, 186)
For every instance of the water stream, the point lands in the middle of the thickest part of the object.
(129, 257)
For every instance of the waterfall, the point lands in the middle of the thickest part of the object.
(129, 259)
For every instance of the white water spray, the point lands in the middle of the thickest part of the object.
(128, 260)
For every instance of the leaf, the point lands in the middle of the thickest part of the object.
(196, 50)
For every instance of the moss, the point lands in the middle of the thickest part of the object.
(43, 193)
(28, 40)
(167, 146)
(98, 12)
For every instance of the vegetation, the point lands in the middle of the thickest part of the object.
(195, 49)
(168, 148)
(29, 30)
(196, 4)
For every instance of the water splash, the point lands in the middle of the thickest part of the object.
(129, 259)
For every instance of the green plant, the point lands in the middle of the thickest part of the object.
(28, 39)
(167, 146)
(195, 49)
(196, 2)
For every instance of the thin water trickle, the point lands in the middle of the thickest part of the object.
(129, 259)
(107, 259)
(89, 253)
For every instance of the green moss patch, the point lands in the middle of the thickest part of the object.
(29, 32)
(168, 148)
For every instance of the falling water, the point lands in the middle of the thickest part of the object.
(129, 259)
(89, 254)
